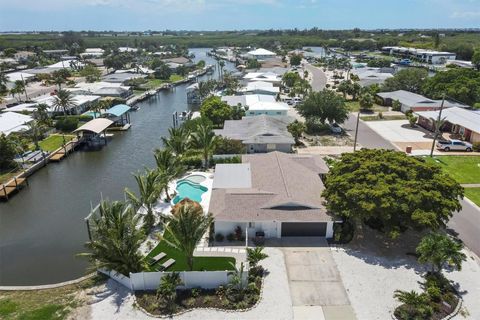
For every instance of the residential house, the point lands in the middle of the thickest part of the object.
(103, 89)
(370, 76)
(459, 121)
(261, 54)
(271, 77)
(258, 104)
(259, 134)
(82, 103)
(276, 193)
(261, 87)
(415, 102)
(174, 63)
(92, 53)
(11, 122)
(423, 55)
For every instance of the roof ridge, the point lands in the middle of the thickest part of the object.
(282, 174)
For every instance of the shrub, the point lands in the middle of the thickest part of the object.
(195, 292)
(192, 161)
(219, 237)
(230, 237)
(238, 233)
(343, 232)
(220, 292)
(67, 125)
(380, 115)
(434, 293)
(208, 300)
(476, 146)
(236, 159)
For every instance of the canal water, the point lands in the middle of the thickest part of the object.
(42, 227)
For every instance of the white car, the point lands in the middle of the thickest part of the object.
(454, 145)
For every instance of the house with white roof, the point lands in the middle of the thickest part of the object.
(258, 104)
(261, 87)
(82, 103)
(103, 89)
(415, 102)
(271, 77)
(127, 49)
(11, 122)
(261, 54)
(369, 76)
(92, 53)
(457, 121)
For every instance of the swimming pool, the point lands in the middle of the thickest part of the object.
(188, 189)
(195, 178)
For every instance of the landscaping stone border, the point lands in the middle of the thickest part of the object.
(193, 309)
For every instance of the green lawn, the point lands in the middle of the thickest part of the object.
(155, 83)
(473, 194)
(199, 263)
(54, 142)
(464, 169)
(354, 106)
(383, 118)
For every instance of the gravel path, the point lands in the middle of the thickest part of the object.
(371, 281)
(115, 302)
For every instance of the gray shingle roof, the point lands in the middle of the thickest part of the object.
(258, 129)
(279, 180)
(411, 99)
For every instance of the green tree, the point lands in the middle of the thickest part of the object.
(295, 60)
(459, 83)
(91, 73)
(345, 87)
(35, 131)
(207, 88)
(216, 110)
(178, 140)
(7, 153)
(440, 250)
(41, 115)
(168, 167)
(391, 190)
(396, 105)
(410, 79)
(163, 72)
(19, 88)
(9, 52)
(253, 64)
(476, 59)
(226, 145)
(238, 112)
(149, 192)
(116, 240)
(205, 140)
(296, 129)
(354, 90)
(64, 102)
(167, 289)
(290, 78)
(185, 228)
(323, 106)
(255, 255)
(366, 101)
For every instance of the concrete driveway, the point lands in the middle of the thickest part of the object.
(316, 288)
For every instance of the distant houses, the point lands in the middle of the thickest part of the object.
(259, 134)
(258, 104)
(423, 55)
(415, 102)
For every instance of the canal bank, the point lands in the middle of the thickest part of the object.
(42, 228)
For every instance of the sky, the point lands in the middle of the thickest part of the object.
(140, 15)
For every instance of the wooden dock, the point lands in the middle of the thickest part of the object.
(7, 189)
(62, 152)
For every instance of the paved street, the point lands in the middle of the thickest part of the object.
(319, 79)
(465, 223)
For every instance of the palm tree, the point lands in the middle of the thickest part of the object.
(236, 287)
(178, 140)
(58, 80)
(167, 288)
(64, 101)
(149, 193)
(410, 298)
(20, 87)
(185, 228)
(255, 255)
(98, 106)
(116, 239)
(168, 168)
(35, 132)
(41, 115)
(440, 250)
(204, 139)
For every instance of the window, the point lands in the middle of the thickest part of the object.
(251, 224)
(278, 112)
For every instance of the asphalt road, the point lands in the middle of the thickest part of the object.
(319, 79)
(465, 224)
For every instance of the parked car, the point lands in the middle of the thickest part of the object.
(454, 145)
(288, 101)
(335, 127)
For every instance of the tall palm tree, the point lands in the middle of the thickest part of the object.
(116, 239)
(178, 140)
(204, 139)
(41, 115)
(185, 228)
(35, 132)
(98, 106)
(20, 88)
(168, 168)
(64, 101)
(149, 193)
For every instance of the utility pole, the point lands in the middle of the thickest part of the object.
(437, 129)
(356, 131)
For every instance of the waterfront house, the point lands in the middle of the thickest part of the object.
(258, 104)
(261, 54)
(259, 134)
(458, 121)
(82, 103)
(271, 77)
(104, 89)
(261, 87)
(11, 122)
(276, 193)
(415, 102)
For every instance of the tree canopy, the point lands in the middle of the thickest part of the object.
(410, 79)
(391, 190)
(7, 153)
(459, 83)
(295, 60)
(323, 106)
(216, 110)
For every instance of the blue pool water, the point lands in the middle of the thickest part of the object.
(187, 189)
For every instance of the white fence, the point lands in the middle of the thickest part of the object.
(190, 279)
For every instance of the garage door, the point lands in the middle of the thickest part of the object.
(304, 229)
